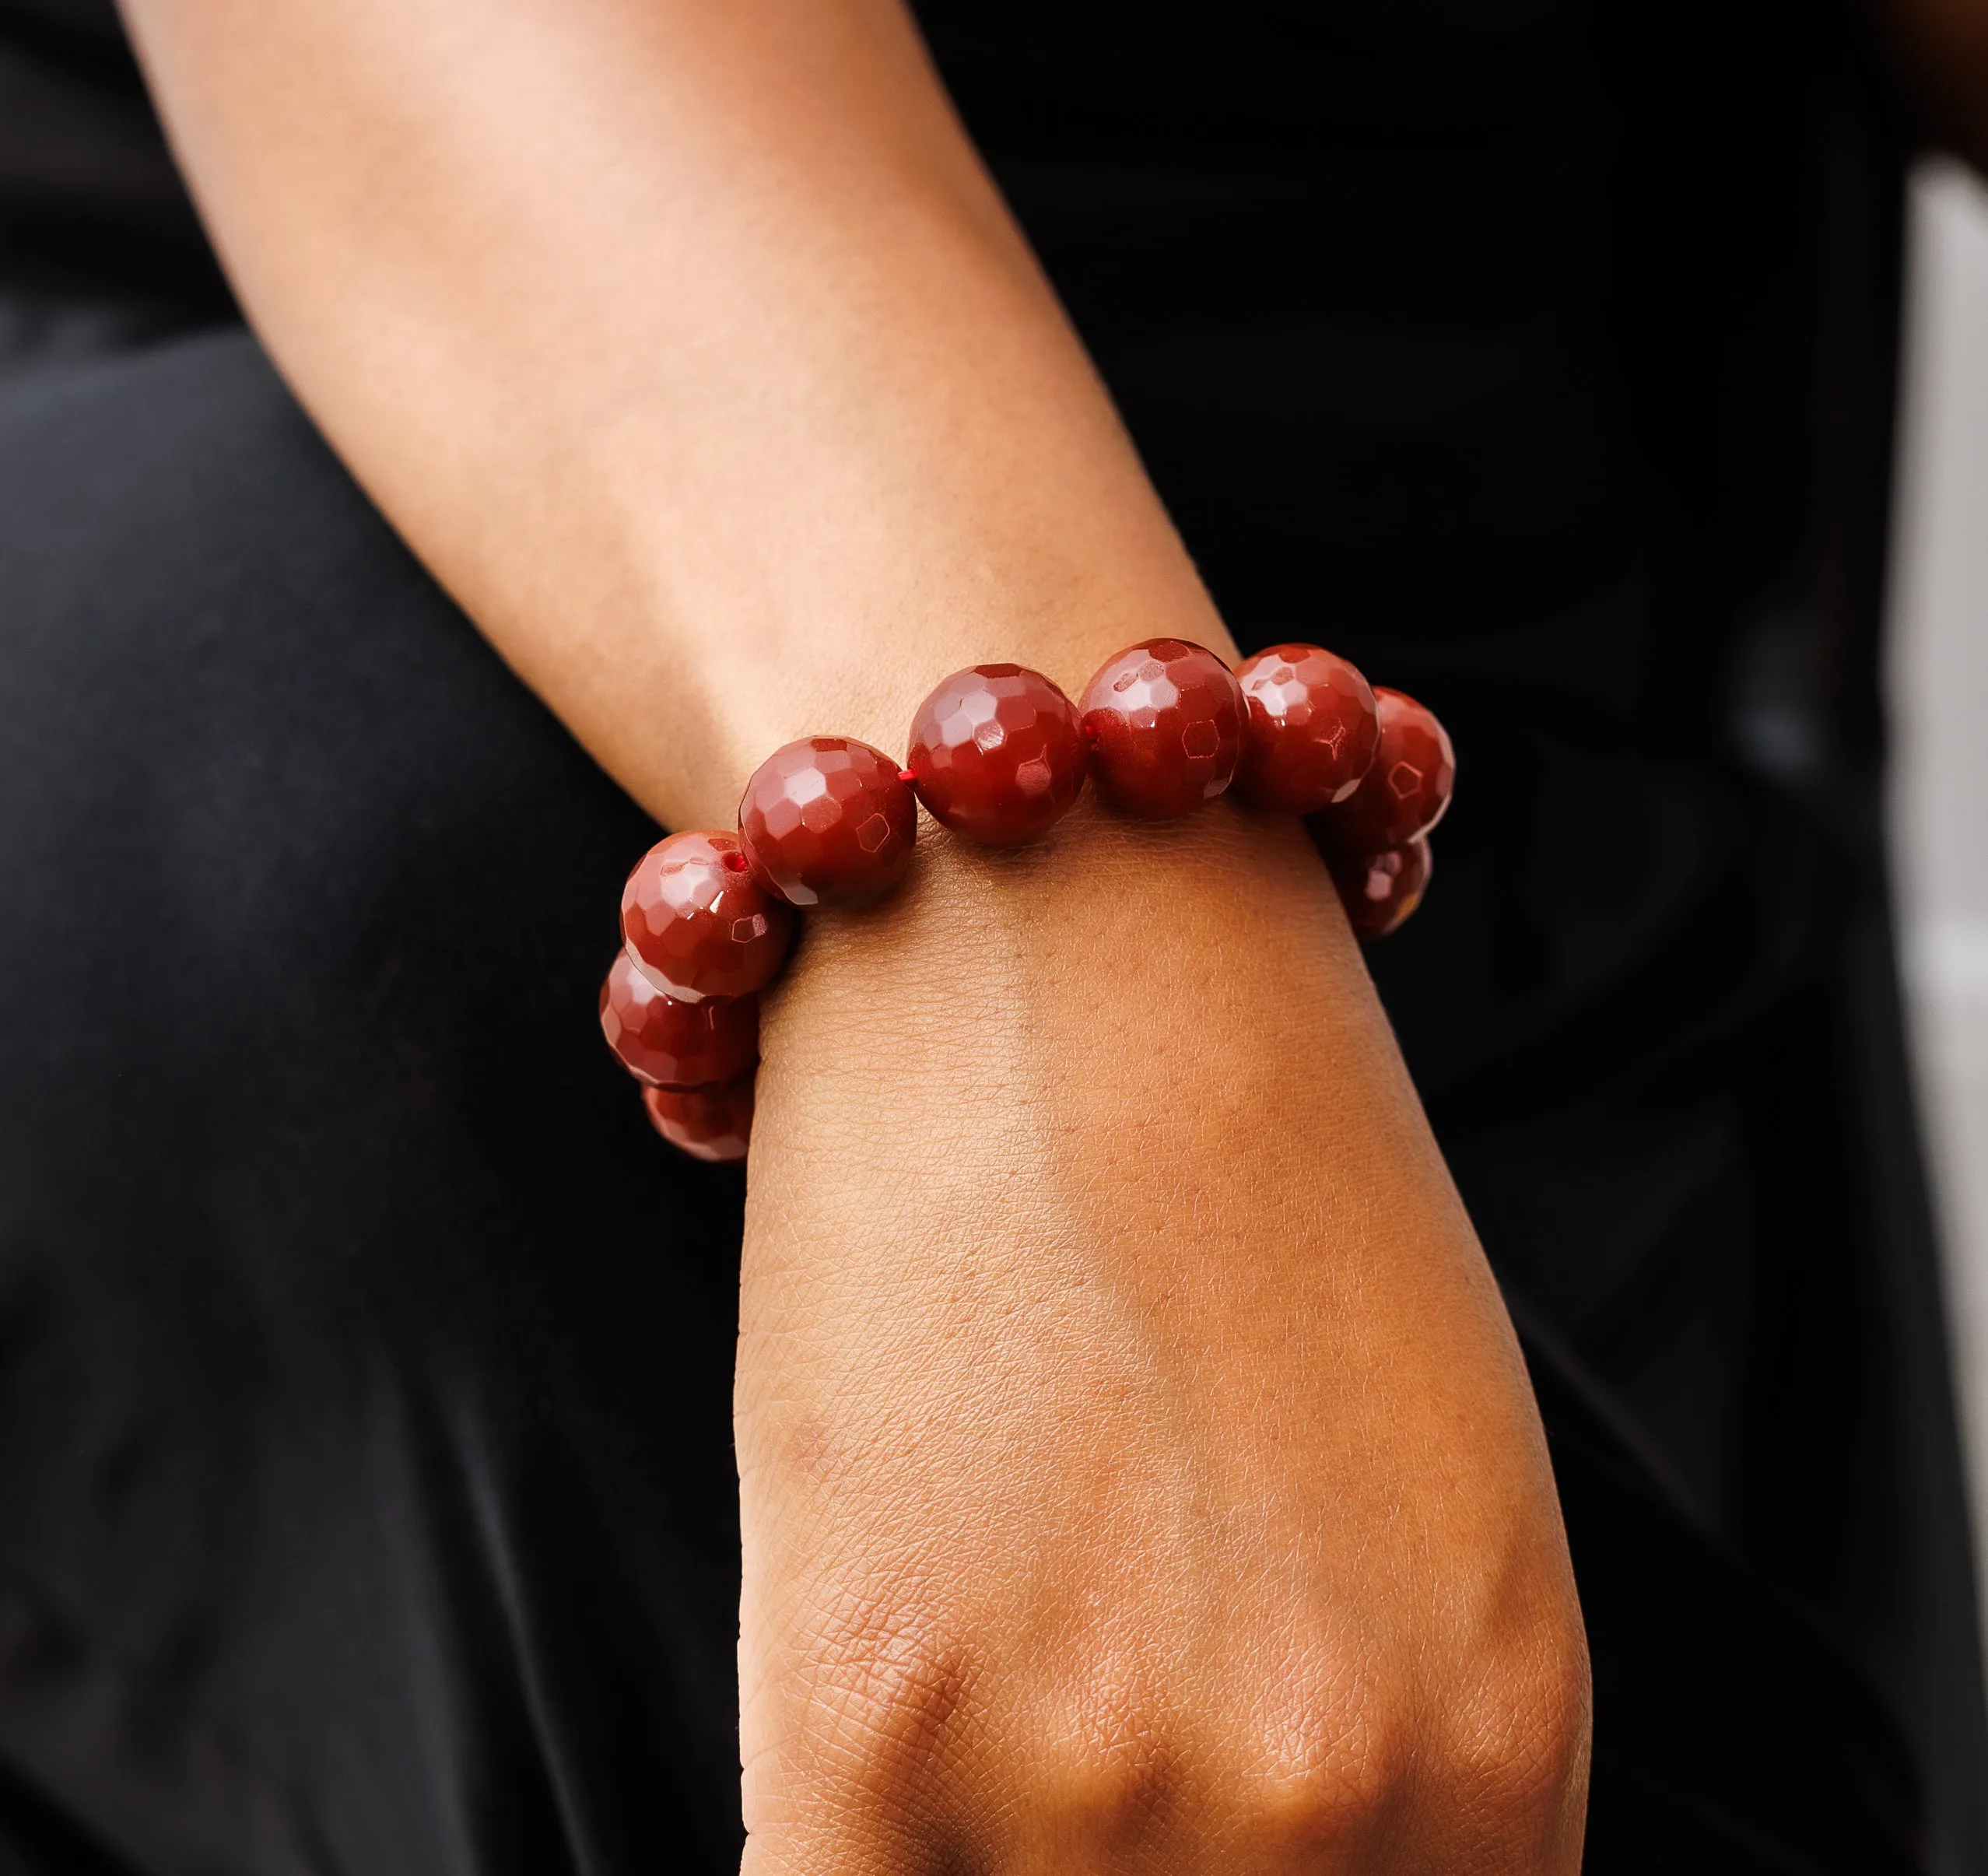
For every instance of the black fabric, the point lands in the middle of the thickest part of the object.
(364, 1368)
(365, 1499)
(1729, 1733)
(98, 241)
(364, 1362)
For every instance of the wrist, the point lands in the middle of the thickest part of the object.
(999, 754)
(1108, 971)
(1095, 893)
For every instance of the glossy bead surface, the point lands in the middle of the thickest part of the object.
(827, 821)
(697, 923)
(671, 1044)
(1164, 720)
(713, 1122)
(997, 753)
(1407, 789)
(1381, 890)
(1313, 728)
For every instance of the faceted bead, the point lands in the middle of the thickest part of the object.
(1313, 728)
(1380, 892)
(1164, 720)
(697, 923)
(1406, 791)
(711, 1123)
(997, 753)
(671, 1044)
(829, 822)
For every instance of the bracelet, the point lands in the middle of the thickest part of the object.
(998, 754)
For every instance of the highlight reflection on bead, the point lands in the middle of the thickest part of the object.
(1313, 728)
(1407, 789)
(827, 821)
(1379, 891)
(997, 753)
(1165, 720)
(697, 923)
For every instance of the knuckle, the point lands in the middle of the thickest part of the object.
(1354, 1753)
(869, 1761)
(1515, 1746)
(1299, 1763)
(1328, 1775)
(891, 1698)
(1121, 1775)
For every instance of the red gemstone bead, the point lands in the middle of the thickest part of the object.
(1164, 720)
(826, 821)
(997, 753)
(1313, 728)
(697, 923)
(1406, 791)
(1380, 891)
(711, 1123)
(671, 1044)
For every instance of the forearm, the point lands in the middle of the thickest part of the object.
(688, 345)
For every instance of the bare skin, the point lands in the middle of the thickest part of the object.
(1138, 1472)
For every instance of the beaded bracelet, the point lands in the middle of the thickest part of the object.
(998, 754)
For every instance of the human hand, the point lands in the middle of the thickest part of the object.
(1138, 1470)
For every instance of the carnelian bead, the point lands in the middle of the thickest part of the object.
(697, 923)
(1313, 728)
(713, 1122)
(997, 753)
(827, 821)
(671, 1044)
(1165, 720)
(1407, 789)
(1381, 890)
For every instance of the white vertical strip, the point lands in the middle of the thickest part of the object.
(1938, 684)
